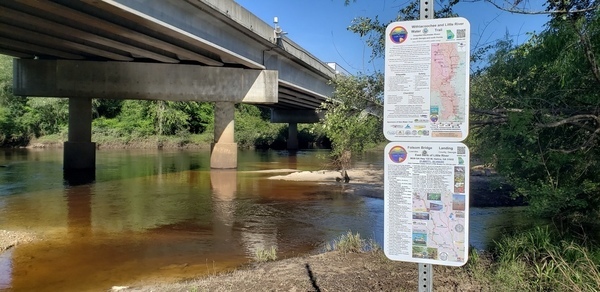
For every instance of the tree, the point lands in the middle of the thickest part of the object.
(536, 107)
(11, 107)
(536, 116)
(353, 116)
(374, 29)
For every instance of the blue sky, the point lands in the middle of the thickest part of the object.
(320, 26)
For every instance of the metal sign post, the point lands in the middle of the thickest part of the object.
(426, 270)
(426, 168)
(425, 277)
(426, 9)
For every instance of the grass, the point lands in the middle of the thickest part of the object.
(266, 255)
(542, 260)
(348, 243)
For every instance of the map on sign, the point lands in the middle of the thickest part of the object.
(426, 211)
(426, 94)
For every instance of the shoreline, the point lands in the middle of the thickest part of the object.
(328, 271)
(12, 238)
(491, 189)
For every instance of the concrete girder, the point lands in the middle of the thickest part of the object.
(25, 35)
(152, 25)
(109, 28)
(29, 48)
(299, 78)
(296, 116)
(127, 80)
(52, 28)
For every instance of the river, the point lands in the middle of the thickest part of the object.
(163, 215)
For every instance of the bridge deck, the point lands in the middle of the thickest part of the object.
(216, 33)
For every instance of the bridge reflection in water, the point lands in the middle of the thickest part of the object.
(168, 218)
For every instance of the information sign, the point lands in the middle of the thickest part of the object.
(426, 199)
(427, 80)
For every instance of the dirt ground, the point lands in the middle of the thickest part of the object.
(331, 271)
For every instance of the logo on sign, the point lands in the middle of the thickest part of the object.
(398, 154)
(398, 34)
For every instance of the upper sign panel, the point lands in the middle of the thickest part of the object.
(427, 80)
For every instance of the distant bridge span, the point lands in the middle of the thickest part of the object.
(179, 50)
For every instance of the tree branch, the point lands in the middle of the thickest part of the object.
(514, 9)
(571, 120)
(589, 53)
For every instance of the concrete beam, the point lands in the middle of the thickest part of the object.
(126, 80)
(296, 116)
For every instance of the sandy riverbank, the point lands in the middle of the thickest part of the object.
(330, 271)
(9, 239)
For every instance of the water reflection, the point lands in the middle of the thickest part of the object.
(6, 269)
(79, 210)
(79, 177)
(489, 224)
(165, 215)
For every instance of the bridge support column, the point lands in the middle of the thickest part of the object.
(292, 141)
(224, 149)
(79, 150)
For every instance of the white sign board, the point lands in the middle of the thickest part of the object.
(426, 213)
(427, 80)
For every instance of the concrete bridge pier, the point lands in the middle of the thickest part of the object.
(82, 80)
(293, 117)
(79, 152)
(292, 141)
(223, 152)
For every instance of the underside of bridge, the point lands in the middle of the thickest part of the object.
(180, 50)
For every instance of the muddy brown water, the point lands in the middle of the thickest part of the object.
(154, 215)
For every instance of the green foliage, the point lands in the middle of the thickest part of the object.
(253, 130)
(536, 118)
(12, 131)
(46, 116)
(348, 121)
(108, 108)
(543, 260)
(141, 118)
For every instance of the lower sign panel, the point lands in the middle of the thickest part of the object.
(426, 202)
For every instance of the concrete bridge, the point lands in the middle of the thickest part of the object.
(176, 50)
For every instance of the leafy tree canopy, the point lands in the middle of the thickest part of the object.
(537, 116)
(353, 116)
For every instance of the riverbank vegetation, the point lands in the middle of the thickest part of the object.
(535, 119)
(137, 123)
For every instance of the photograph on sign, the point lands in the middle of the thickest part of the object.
(426, 202)
(426, 93)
